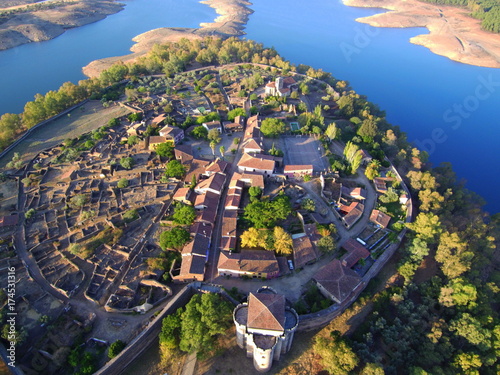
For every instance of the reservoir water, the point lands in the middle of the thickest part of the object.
(449, 109)
(40, 67)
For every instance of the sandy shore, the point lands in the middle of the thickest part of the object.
(231, 20)
(48, 23)
(452, 33)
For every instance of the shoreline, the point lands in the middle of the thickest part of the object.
(47, 23)
(231, 20)
(452, 32)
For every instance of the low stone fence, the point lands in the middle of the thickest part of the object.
(39, 125)
(138, 345)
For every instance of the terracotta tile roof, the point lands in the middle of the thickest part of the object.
(256, 162)
(356, 193)
(252, 144)
(156, 139)
(197, 168)
(236, 184)
(217, 166)
(229, 224)
(289, 81)
(170, 131)
(228, 261)
(258, 261)
(192, 265)
(202, 229)
(380, 218)
(355, 252)
(207, 215)
(208, 199)
(266, 311)
(380, 185)
(250, 178)
(159, 118)
(298, 168)
(184, 153)
(214, 183)
(199, 246)
(303, 251)
(233, 201)
(228, 243)
(312, 232)
(182, 194)
(337, 280)
(354, 212)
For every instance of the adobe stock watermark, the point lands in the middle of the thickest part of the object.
(11, 316)
(458, 112)
(362, 38)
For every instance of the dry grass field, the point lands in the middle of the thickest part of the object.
(88, 117)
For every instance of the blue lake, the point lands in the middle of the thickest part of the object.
(449, 109)
(40, 67)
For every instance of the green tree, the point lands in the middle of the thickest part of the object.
(78, 201)
(336, 355)
(372, 170)
(130, 215)
(255, 192)
(427, 226)
(272, 127)
(205, 316)
(327, 245)
(332, 131)
(200, 132)
(171, 331)
(133, 117)
(122, 183)
(214, 136)
(115, 348)
(174, 238)
(308, 204)
(127, 162)
(222, 150)
(453, 253)
(165, 150)
(231, 115)
(133, 140)
(184, 214)
(368, 129)
(174, 168)
(389, 196)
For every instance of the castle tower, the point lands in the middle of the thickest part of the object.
(279, 83)
(265, 327)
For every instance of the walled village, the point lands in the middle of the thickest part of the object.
(111, 225)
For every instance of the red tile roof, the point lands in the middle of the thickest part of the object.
(303, 251)
(266, 311)
(355, 252)
(337, 280)
(380, 218)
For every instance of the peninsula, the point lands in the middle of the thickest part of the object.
(453, 33)
(24, 22)
(233, 16)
